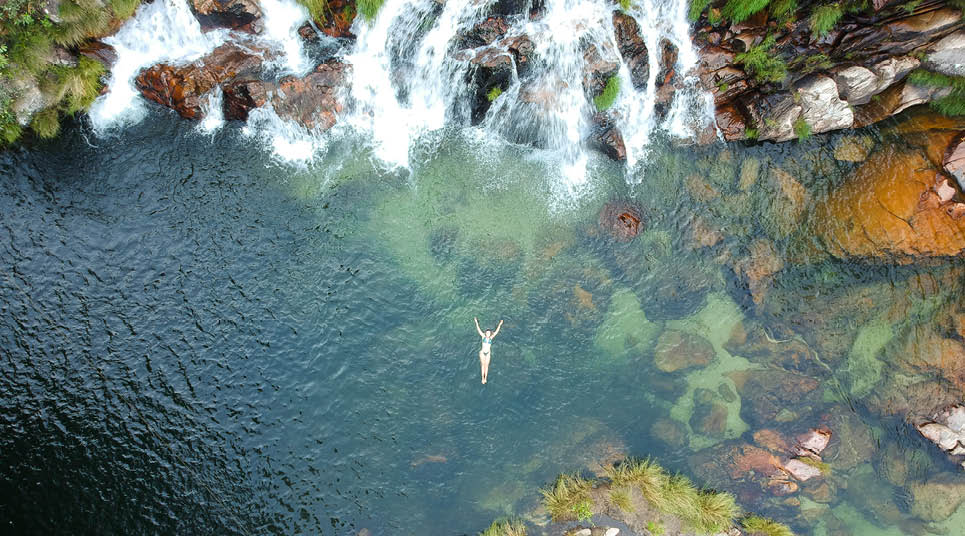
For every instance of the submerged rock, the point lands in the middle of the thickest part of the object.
(607, 138)
(621, 220)
(769, 395)
(938, 498)
(947, 430)
(679, 350)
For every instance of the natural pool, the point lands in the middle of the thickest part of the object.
(199, 340)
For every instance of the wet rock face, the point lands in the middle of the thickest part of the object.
(884, 210)
(621, 220)
(938, 498)
(99, 51)
(242, 96)
(243, 15)
(954, 160)
(946, 429)
(632, 48)
(182, 87)
(607, 139)
(485, 33)
(311, 101)
(597, 70)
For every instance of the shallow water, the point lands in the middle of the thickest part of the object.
(197, 340)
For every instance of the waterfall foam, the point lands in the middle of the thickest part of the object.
(213, 118)
(282, 19)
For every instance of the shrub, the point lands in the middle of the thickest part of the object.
(605, 100)
(369, 8)
(759, 526)
(823, 18)
(505, 528)
(761, 63)
(740, 10)
(802, 129)
(567, 492)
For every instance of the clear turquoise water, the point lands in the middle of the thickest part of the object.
(198, 340)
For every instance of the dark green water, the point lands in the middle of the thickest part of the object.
(196, 340)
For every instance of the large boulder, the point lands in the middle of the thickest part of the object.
(883, 211)
(242, 96)
(821, 108)
(632, 48)
(312, 100)
(954, 159)
(598, 67)
(243, 15)
(948, 55)
(181, 87)
(485, 33)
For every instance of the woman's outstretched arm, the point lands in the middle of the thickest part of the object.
(481, 334)
(497, 328)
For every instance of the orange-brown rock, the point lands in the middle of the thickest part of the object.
(678, 350)
(621, 220)
(181, 87)
(771, 440)
(927, 351)
(312, 100)
(877, 213)
(758, 268)
(954, 158)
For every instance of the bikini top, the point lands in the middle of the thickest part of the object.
(487, 340)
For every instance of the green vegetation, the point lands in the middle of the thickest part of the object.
(823, 18)
(625, 5)
(494, 93)
(783, 10)
(820, 466)
(761, 63)
(583, 510)
(952, 104)
(740, 10)
(910, 7)
(33, 59)
(318, 9)
(759, 526)
(704, 510)
(812, 63)
(506, 527)
(751, 134)
(605, 100)
(801, 129)
(567, 492)
(369, 8)
(655, 528)
(696, 8)
(621, 499)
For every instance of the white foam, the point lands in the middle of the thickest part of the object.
(211, 107)
(282, 19)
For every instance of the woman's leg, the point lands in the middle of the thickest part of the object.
(484, 365)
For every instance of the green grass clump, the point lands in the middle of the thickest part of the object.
(950, 105)
(740, 10)
(761, 63)
(625, 5)
(605, 100)
(124, 8)
(679, 497)
(783, 10)
(644, 474)
(621, 499)
(655, 528)
(823, 18)
(801, 129)
(759, 526)
(696, 8)
(494, 93)
(369, 8)
(317, 9)
(80, 20)
(507, 527)
(583, 510)
(751, 134)
(715, 512)
(46, 123)
(567, 492)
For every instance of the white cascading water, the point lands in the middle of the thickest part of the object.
(408, 79)
(212, 118)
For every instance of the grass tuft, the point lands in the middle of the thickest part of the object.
(783, 10)
(80, 20)
(740, 10)
(751, 134)
(645, 474)
(759, 526)
(505, 527)
(605, 100)
(802, 129)
(494, 93)
(823, 18)
(567, 492)
(715, 512)
(762, 63)
(655, 528)
(124, 8)
(46, 123)
(369, 8)
(318, 9)
(696, 8)
(621, 498)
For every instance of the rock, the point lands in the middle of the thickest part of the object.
(492, 67)
(703, 234)
(668, 63)
(670, 432)
(607, 138)
(29, 99)
(339, 16)
(621, 220)
(938, 498)
(853, 148)
(757, 269)
(856, 84)
(699, 189)
(822, 109)
(822, 493)
(242, 96)
(632, 48)
(709, 419)
(750, 171)
(909, 33)
(730, 122)
(485, 33)
(812, 442)
(243, 15)
(182, 87)
(771, 440)
(913, 95)
(678, 350)
(99, 51)
(510, 7)
(801, 470)
(852, 443)
(597, 70)
(877, 212)
(954, 159)
(613, 531)
(945, 191)
(946, 429)
(947, 56)
(774, 114)
(312, 100)
(893, 70)
(522, 48)
(766, 393)
(893, 465)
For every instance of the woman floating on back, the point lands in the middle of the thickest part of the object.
(485, 353)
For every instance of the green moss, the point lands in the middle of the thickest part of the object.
(820, 466)
(740, 10)
(751, 134)
(46, 123)
(823, 18)
(369, 8)
(759, 526)
(762, 63)
(910, 7)
(505, 527)
(605, 100)
(494, 93)
(812, 63)
(801, 129)
(655, 528)
(696, 8)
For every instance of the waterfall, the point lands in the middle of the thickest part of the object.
(213, 118)
(282, 19)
